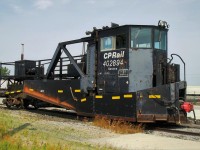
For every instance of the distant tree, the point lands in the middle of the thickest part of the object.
(4, 71)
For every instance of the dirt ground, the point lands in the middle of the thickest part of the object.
(65, 128)
(142, 141)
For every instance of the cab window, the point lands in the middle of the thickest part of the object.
(141, 38)
(113, 42)
(107, 43)
(160, 39)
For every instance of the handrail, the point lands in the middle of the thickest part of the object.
(182, 62)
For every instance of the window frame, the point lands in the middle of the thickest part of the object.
(166, 45)
(114, 43)
(151, 37)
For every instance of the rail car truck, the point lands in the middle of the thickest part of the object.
(124, 73)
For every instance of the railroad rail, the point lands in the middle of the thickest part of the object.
(168, 130)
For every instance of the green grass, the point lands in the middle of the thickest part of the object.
(25, 133)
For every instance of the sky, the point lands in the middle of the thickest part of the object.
(41, 24)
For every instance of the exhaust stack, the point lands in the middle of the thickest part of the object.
(22, 53)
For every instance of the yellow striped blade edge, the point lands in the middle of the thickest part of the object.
(60, 91)
(99, 96)
(128, 96)
(115, 97)
(155, 96)
(77, 91)
(83, 99)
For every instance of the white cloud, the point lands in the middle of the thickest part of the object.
(91, 1)
(17, 9)
(102, 3)
(43, 4)
(65, 1)
(178, 2)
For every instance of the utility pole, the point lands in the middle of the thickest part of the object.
(0, 73)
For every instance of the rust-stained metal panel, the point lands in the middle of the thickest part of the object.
(56, 92)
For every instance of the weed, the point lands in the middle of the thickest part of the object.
(118, 126)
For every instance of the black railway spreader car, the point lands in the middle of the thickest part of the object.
(123, 73)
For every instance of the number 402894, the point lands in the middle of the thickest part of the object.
(110, 63)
